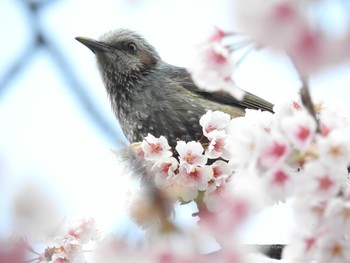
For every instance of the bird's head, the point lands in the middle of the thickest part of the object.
(122, 54)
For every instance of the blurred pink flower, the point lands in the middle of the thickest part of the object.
(84, 231)
(213, 66)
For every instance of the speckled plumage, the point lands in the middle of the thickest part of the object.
(151, 96)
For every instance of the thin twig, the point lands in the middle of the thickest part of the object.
(244, 56)
(307, 102)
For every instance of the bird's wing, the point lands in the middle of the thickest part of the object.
(250, 101)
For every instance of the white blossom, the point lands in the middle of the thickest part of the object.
(190, 154)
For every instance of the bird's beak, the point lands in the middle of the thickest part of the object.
(93, 45)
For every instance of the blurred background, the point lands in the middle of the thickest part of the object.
(56, 126)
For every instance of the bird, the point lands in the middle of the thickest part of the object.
(149, 95)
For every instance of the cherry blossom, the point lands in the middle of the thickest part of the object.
(213, 66)
(302, 246)
(214, 195)
(155, 148)
(221, 170)
(13, 250)
(214, 121)
(334, 149)
(320, 181)
(164, 171)
(190, 154)
(217, 186)
(287, 26)
(332, 249)
(84, 231)
(274, 151)
(299, 129)
(225, 221)
(196, 178)
(337, 213)
(279, 182)
(217, 145)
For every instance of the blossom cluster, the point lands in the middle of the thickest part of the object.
(39, 223)
(184, 171)
(67, 246)
(238, 167)
(213, 65)
(245, 164)
(311, 41)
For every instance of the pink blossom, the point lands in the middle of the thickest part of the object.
(226, 220)
(190, 154)
(217, 35)
(334, 149)
(217, 185)
(85, 230)
(287, 109)
(273, 23)
(217, 145)
(309, 213)
(286, 26)
(213, 66)
(164, 171)
(299, 129)
(320, 182)
(337, 214)
(214, 195)
(155, 148)
(197, 178)
(214, 121)
(274, 150)
(279, 182)
(332, 118)
(13, 251)
(221, 170)
(279, 178)
(335, 249)
(68, 250)
(302, 246)
(312, 51)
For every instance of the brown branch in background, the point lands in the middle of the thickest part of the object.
(305, 94)
(307, 102)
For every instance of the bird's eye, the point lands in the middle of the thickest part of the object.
(132, 46)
